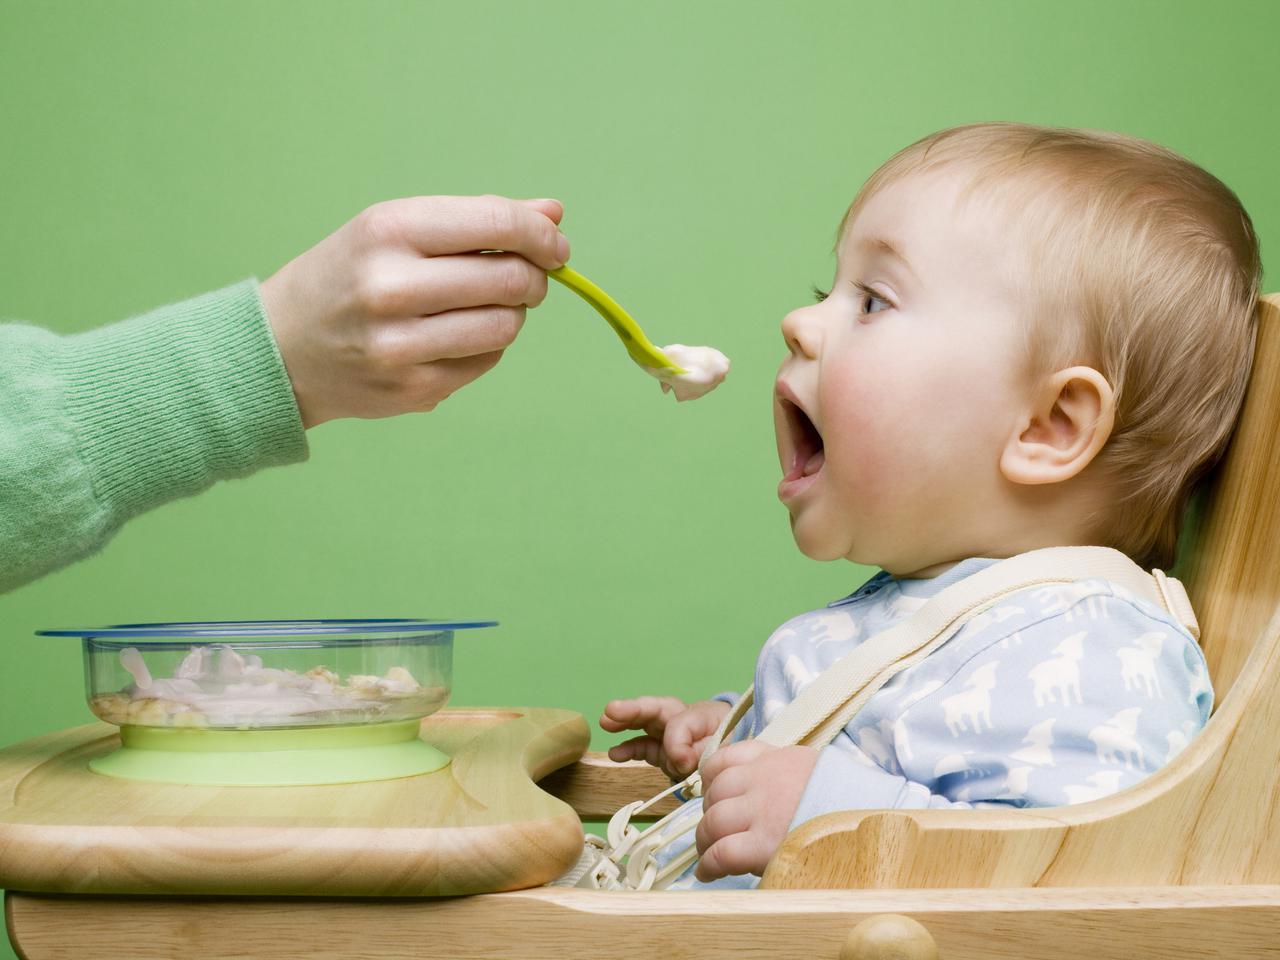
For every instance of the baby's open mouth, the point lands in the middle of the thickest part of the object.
(804, 442)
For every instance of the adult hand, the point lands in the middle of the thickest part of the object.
(398, 308)
(674, 734)
(750, 792)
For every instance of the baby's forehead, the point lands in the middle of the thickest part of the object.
(941, 220)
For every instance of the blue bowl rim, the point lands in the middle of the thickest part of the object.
(267, 628)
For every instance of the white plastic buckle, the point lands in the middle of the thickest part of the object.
(626, 842)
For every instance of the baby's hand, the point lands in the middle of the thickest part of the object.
(675, 733)
(750, 792)
(398, 308)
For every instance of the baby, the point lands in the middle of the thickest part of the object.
(1035, 337)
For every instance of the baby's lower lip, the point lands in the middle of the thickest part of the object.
(797, 480)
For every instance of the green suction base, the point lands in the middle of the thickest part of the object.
(271, 758)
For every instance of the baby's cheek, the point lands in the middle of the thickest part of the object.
(902, 425)
(863, 440)
(959, 425)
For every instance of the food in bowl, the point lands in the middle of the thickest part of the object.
(218, 685)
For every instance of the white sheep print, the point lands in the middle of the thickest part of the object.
(1056, 695)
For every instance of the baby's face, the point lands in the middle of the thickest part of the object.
(902, 386)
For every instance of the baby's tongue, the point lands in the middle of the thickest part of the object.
(814, 463)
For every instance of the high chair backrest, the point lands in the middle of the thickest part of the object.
(1230, 563)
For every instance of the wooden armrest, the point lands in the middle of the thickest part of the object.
(879, 849)
(596, 786)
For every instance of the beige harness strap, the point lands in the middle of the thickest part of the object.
(825, 706)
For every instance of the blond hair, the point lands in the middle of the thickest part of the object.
(1138, 263)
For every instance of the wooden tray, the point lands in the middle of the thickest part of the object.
(478, 825)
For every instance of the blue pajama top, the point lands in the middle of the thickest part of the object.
(1056, 695)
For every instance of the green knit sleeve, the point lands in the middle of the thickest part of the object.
(97, 427)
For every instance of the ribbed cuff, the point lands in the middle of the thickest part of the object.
(170, 401)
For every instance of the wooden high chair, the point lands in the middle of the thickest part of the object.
(1184, 864)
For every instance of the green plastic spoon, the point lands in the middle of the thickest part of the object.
(642, 351)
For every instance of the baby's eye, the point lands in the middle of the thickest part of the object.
(819, 295)
(867, 294)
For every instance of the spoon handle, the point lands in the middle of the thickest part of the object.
(642, 351)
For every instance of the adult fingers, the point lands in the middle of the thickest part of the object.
(401, 286)
(434, 226)
(431, 383)
(449, 335)
(553, 209)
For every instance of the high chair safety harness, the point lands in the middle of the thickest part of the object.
(626, 860)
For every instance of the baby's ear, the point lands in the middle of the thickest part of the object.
(1069, 420)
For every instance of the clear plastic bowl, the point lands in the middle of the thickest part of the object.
(269, 702)
(268, 674)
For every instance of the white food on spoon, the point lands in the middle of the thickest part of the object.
(705, 369)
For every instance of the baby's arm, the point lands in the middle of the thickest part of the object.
(1074, 706)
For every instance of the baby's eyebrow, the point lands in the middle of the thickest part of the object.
(882, 245)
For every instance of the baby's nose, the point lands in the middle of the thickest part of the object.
(800, 333)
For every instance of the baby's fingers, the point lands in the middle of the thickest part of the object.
(734, 756)
(735, 854)
(699, 746)
(637, 748)
(642, 713)
(684, 741)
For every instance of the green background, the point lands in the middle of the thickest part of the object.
(704, 153)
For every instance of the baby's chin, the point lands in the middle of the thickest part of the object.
(815, 542)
